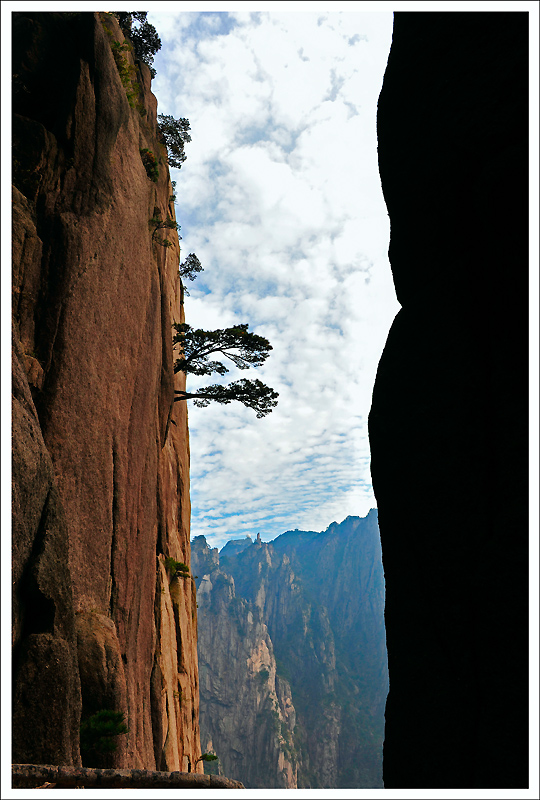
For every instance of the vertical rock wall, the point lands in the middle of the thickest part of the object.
(322, 597)
(448, 424)
(101, 452)
(292, 656)
(247, 715)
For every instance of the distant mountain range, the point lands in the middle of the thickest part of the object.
(292, 656)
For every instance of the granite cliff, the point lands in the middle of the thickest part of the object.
(100, 450)
(313, 604)
(448, 423)
(247, 716)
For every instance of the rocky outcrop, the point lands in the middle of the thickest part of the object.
(101, 452)
(247, 715)
(448, 424)
(320, 597)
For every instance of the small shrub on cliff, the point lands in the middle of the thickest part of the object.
(207, 757)
(99, 736)
(263, 675)
(242, 348)
(177, 568)
(126, 71)
(150, 164)
(175, 134)
(159, 224)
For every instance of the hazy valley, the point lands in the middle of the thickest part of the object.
(292, 656)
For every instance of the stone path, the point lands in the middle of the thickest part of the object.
(47, 776)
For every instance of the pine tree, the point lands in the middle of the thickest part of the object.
(244, 349)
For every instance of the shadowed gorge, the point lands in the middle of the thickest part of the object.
(448, 423)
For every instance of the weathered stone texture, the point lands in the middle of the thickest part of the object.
(43, 776)
(448, 424)
(247, 715)
(94, 300)
(295, 624)
(46, 690)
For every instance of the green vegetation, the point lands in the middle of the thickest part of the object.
(283, 669)
(144, 37)
(159, 224)
(207, 757)
(175, 135)
(242, 348)
(99, 736)
(288, 746)
(274, 715)
(263, 675)
(150, 164)
(189, 269)
(126, 71)
(177, 568)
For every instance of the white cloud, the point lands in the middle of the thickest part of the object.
(280, 198)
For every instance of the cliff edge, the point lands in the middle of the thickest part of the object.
(100, 449)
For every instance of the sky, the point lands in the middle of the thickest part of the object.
(280, 199)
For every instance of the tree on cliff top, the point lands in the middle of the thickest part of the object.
(244, 349)
(144, 37)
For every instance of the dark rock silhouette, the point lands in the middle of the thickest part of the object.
(448, 424)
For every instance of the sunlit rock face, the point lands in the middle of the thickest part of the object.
(247, 716)
(448, 424)
(318, 600)
(101, 454)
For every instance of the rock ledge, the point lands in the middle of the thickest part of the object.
(33, 776)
